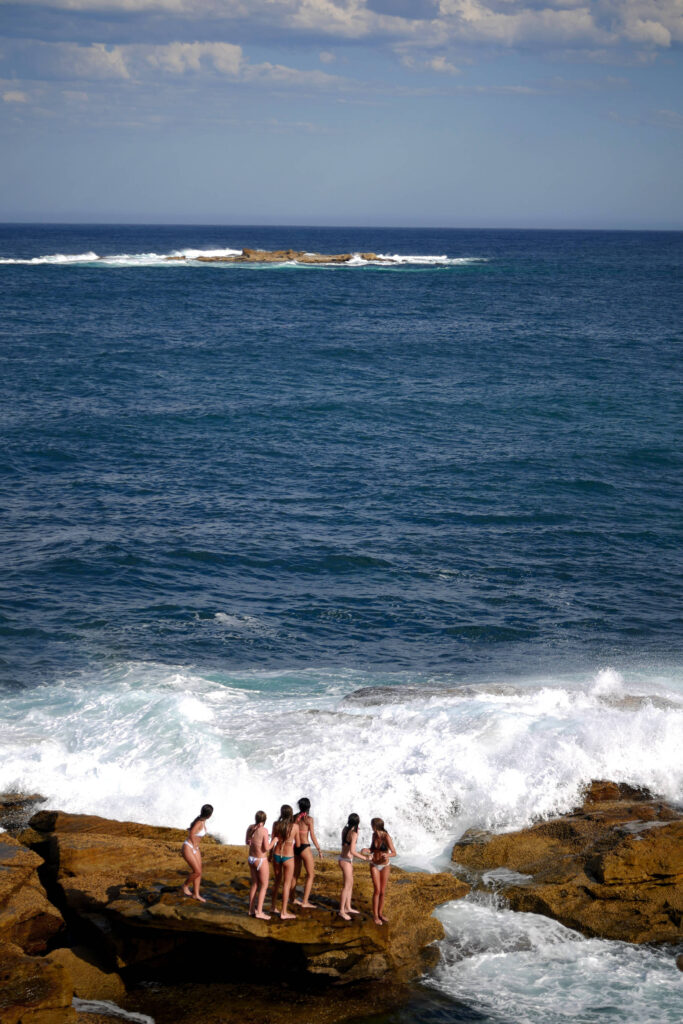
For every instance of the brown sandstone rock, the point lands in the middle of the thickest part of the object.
(27, 918)
(613, 868)
(276, 256)
(124, 879)
(32, 990)
(88, 980)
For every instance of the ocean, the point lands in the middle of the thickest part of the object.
(402, 536)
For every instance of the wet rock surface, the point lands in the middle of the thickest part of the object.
(278, 256)
(116, 927)
(613, 868)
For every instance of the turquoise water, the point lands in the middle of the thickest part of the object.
(421, 516)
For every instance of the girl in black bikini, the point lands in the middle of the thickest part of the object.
(302, 850)
(381, 849)
(349, 838)
(285, 833)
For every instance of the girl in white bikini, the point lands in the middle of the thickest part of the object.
(303, 855)
(349, 838)
(381, 849)
(285, 834)
(258, 841)
(190, 852)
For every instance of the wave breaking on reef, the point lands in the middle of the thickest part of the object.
(233, 257)
(150, 743)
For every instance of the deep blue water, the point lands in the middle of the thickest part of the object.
(461, 468)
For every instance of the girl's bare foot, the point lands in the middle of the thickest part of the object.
(186, 891)
(352, 911)
(378, 920)
(309, 906)
(263, 917)
(288, 917)
(200, 898)
(344, 916)
(385, 919)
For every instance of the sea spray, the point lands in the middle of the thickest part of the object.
(152, 743)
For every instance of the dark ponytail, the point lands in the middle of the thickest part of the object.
(206, 812)
(351, 826)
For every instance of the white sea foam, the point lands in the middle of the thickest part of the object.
(108, 1009)
(153, 742)
(193, 257)
(527, 969)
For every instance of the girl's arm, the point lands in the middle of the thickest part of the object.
(392, 848)
(250, 832)
(352, 847)
(314, 839)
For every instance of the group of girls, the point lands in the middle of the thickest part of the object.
(289, 848)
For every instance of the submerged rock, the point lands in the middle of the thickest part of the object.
(613, 868)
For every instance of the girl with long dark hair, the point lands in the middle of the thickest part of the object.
(381, 849)
(191, 853)
(349, 838)
(303, 855)
(285, 833)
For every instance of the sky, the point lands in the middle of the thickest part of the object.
(435, 113)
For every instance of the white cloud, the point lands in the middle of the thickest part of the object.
(443, 65)
(15, 96)
(94, 61)
(178, 58)
(589, 25)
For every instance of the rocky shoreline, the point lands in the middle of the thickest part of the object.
(91, 908)
(613, 868)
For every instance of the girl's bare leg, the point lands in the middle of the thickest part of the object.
(194, 862)
(376, 885)
(347, 889)
(263, 876)
(384, 882)
(286, 888)
(309, 864)
(252, 890)
(277, 875)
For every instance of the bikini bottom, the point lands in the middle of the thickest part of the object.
(255, 861)
(298, 850)
(195, 849)
(279, 859)
(345, 860)
(380, 867)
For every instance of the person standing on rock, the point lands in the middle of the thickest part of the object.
(381, 849)
(285, 834)
(349, 838)
(302, 850)
(191, 853)
(258, 841)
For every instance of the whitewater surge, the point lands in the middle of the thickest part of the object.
(195, 257)
(151, 743)
(527, 969)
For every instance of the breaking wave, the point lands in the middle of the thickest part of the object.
(152, 743)
(197, 257)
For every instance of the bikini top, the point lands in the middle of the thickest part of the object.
(197, 835)
(383, 846)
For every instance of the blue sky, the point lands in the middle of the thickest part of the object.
(473, 113)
